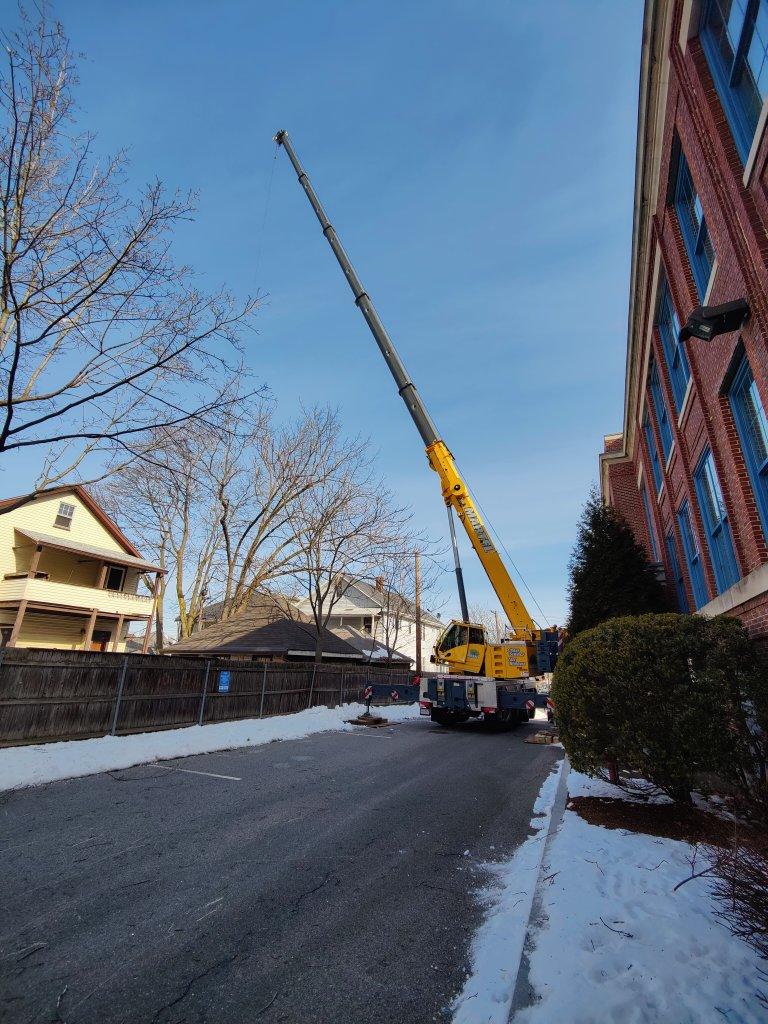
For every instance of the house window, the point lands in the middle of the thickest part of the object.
(5, 635)
(64, 516)
(674, 350)
(368, 624)
(115, 578)
(693, 227)
(653, 453)
(752, 428)
(649, 524)
(692, 556)
(677, 574)
(660, 406)
(715, 517)
(734, 37)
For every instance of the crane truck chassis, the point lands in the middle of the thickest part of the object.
(483, 679)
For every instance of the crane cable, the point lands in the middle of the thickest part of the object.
(506, 552)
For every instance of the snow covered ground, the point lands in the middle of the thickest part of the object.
(612, 941)
(487, 994)
(47, 762)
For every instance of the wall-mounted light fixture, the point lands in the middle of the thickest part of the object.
(706, 322)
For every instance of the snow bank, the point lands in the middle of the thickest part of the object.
(619, 944)
(48, 762)
(498, 945)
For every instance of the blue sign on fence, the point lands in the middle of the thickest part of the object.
(223, 682)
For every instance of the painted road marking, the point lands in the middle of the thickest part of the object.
(190, 771)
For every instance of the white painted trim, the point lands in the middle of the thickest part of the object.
(669, 457)
(689, 22)
(750, 586)
(639, 473)
(660, 495)
(757, 138)
(710, 283)
(686, 400)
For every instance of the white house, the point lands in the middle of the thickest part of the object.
(386, 616)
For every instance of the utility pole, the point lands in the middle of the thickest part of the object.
(417, 556)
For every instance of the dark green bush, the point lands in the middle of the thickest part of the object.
(677, 699)
(609, 571)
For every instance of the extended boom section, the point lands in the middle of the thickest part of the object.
(462, 646)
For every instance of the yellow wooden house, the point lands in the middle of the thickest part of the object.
(69, 577)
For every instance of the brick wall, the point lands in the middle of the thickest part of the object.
(737, 218)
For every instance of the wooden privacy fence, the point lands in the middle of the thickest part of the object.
(65, 695)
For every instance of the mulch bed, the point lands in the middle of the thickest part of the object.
(668, 821)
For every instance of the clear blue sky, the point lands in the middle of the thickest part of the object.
(477, 160)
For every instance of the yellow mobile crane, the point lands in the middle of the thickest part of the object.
(484, 679)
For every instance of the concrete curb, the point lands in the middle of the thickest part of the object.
(523, 995)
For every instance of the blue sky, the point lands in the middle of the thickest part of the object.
(477, 160)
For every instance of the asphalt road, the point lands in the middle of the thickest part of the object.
(318, 880)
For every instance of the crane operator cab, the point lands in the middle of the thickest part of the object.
(462, 647)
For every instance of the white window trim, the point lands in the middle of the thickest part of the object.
(686, 400)
(710, 283)
(757, 138)
(669, 457)
(689, 22)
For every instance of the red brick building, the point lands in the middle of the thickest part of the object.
(690, 468)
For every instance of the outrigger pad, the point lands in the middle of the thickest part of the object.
(371, 721)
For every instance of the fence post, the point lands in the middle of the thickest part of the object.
(341, 694)
(312, 685)
(120, 686)
(205, 691)
(263, 690)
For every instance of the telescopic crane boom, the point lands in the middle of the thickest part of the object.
(454, 489)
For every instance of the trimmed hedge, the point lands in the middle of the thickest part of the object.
(674, 698)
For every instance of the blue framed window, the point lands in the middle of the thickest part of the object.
(660, 407)
(692, 556)
(734, 37)
(693, 226)
(674, 349)
(649, 524)
(653, 452)
(752, 428)
(715, 519)
(677, 574)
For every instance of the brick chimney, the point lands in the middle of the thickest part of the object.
(380, 584)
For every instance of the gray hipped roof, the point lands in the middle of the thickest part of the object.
(102, 554)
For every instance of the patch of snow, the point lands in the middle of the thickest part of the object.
(48, 762)
(641, 791)
(498, 945)
(618, 943)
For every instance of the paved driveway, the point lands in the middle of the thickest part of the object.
(326, 880)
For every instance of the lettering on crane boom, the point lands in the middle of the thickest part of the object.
(481, 532)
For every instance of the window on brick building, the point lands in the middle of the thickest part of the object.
(734, 37)
(715, 517)
(660, 408)
(752, 428)
(692, 555)
(674, 350)
(649, 524)
(677, 573)
(653, 452)
(693, 226)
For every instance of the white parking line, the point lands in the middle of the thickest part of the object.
(190, 771)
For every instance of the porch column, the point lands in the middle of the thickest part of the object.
(89, 630)
(17, 624)
(34, 561)
(155, 594)
(118, 631)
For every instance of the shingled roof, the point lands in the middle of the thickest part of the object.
(269, 626)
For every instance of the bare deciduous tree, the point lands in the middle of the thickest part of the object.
(346, 527)
(103, 338)
(493, 624)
